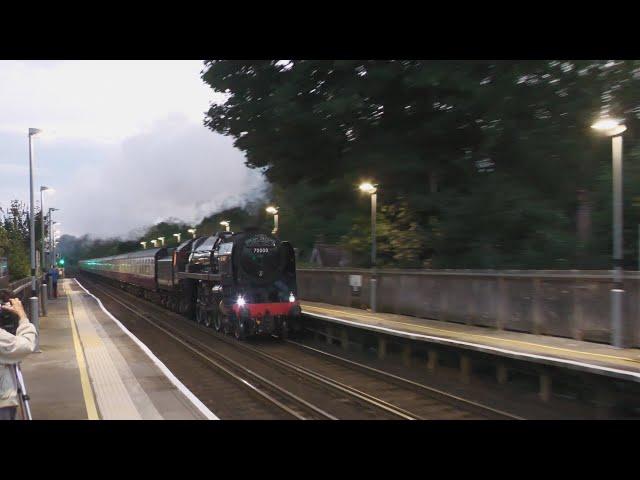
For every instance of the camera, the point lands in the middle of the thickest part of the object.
(8, 320)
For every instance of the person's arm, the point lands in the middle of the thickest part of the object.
(14, 348)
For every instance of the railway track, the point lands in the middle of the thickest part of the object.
(266, 391)
(298, 379)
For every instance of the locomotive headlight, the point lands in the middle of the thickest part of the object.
(241, 302)
(292, 298)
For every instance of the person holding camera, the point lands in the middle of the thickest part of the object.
(14, 347)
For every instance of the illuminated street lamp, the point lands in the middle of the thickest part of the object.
(162, 241)
(192, 231)
(613, 128)
(155, 243)
(226, 224)
(144, 244)
(177, 235)
(274, 211)
(369, 188)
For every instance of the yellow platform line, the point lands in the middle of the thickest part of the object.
(87, 391)
(472, 335)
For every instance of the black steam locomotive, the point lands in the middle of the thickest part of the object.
(243, 283)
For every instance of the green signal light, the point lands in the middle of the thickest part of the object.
(61, 261)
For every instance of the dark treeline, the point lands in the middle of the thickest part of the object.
(250, 215)
(480, 164)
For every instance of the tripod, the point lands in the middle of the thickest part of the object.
(23, 398)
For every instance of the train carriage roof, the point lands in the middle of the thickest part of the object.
(147, 253)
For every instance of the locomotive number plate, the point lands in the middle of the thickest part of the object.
(260, 250)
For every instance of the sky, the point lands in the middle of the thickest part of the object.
(122, 145)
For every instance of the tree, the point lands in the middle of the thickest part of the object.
(14, 240)
(501, 146)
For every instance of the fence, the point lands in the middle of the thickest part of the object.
(565, 303)
(22, 290)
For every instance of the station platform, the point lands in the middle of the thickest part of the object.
(561, 352)
(91, 367)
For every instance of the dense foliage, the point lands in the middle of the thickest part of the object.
(14, 238)
(480, 164)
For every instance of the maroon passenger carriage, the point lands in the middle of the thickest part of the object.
(136, 271)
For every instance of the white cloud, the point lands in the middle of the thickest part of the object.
(177, 169)
(123, 143)
(105, 100)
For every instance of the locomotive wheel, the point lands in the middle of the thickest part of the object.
(173, 304)
(216, 319)
(184, 306)
(200, 314)
(226, 324)
(284, 331)
(207, 318)
(239, 330)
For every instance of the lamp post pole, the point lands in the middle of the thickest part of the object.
(32, 233)
(372, 190)
(275, 212)
(374, 280)
(614, 128)
(617, 292)
(43, 259)
(34, 308)
(52, 246)
(50, 237)
(373, 228)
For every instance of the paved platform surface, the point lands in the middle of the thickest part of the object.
(91, 367)
(563, 352)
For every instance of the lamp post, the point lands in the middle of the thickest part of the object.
(43, 261)
(34, 293)
(56, 236)
(144, 244)
(51, 223)
(34, 309)
(155, 243)
(161, 241)
(192, 231)
(274, 211)
(226, 224)
(177, 235)
(52, 237)
(614, 129)
(367, 187)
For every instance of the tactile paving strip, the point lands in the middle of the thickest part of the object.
(114, 401)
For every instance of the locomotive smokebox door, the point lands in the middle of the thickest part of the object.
(355, 282)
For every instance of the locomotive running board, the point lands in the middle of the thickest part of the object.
(200, 276)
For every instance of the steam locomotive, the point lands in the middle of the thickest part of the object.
(243, 283)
